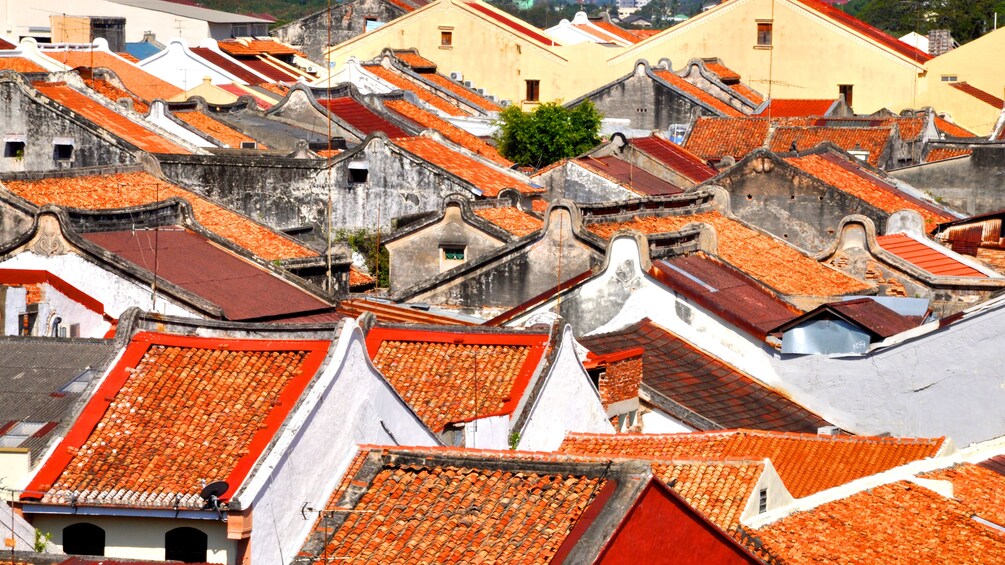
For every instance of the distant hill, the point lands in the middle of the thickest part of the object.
(282, 10)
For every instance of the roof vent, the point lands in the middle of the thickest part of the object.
(828, 431)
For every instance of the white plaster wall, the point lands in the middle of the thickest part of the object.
(655, 421)
(568, 402)
(14, 304)
(115, 293)
(15, 463)
(354, 73)
(180, 67)
(778, 493)
(488, 433)
(160, 120)
(91, 323)
(343, 408)
(13, 525)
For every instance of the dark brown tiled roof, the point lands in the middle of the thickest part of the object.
(704, 385)
(629, 176)
(228, 64)
(864, 312)
(675, 157)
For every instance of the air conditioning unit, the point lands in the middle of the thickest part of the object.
(459, 77)
(312, 70)
(829, 431)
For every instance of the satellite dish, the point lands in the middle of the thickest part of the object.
(214, 490)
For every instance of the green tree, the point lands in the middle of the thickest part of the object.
(547, 134)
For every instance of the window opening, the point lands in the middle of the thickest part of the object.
(83, 539)
(453, 253)
(446, 39)
(762, 501)
(533, 90)
(14, 149)
(187, 545)
(764, 34)
(845, 91)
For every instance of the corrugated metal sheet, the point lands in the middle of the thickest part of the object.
(361, 117)
(825, 337)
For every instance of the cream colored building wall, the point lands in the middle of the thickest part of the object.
(975, 115)
(810, 55)
(140, 538)
(15, 463)
(488, 53)
(15, 19)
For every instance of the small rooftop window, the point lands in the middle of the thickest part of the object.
(19, 433)
(14, 149)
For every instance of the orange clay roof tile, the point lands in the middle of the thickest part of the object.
(783, 108)
(977, 487)
(747, 92)
(20, 65)
(114, 122)
(871, 139)
(414, 60)
(511, 219)
(101, 192)
(143, 84)
(925, 257)
(624, 34)
(489, 180)
(777, 265)
(698, 93)
(951, 129)
(358, 278)
(448, 130)
(447, 510)
(214, 128)
(943, 153)
(854, 180)
(403, 83)
(806, 463)
(176, 411)
(272, 47)
(449, 377)
(724, 72)
(894, 523)
(114, 93)
(460, 91)
(712, 138)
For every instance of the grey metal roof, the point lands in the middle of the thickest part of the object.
(34, 372)
(196, 13)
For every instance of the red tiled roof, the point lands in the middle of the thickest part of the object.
(451, 506)
(395, 313)
(926, 258)
(979, 487)
(460, 91)
(951, 129)
(358, 278)
(629, 176)
(122, 190)
(360, 117)
(235, 47)
(869, 31)
(114, 93)
(873, 140)
(20, 65)
(850, 178)
(4, 44)
(713, 138)
(618, 31)
(784, 108)
(512, 23)
(943, 153)
(450, 377)
(894, 523)
(910, 127)
(747, 92)
(807, 463)
(979, 94)
(176, 411)
(448, 130)
(228, 64)
(143, 84)
(404, 83)
(866, 313)
(128, 57)
(241, 289)
(485, 178)
(675, 157)
(270, 46)
(414, 60)
(511, 219)
(768, 260)
(694, 91)
(262, 102)
(215, 128)
(115, 123)
(273, 72)
(722, 71)
(703, 385)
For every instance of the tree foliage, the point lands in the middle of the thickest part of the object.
(547, 134)
(966, 19)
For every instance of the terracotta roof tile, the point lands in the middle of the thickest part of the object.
(910, 127)
(360, 117)
(850, 178)
(675, 157)
(692, 90)
(770, 261)
(235, 47)
(395, 313)
(176, 411)
(275, 88)
(20, 65)
(459, 509)
(511, 219)
(448, 130)
(806, 463)
(485, 178)
(358, 278)
(103, 192)
(215, 129)
(713, 138)
(951, 129)
(414, 60)
(138, 81)
(272, 47)
(703, 384)
(449, 377)
(128, 57)
(943, 153)
(114, 93)
(747, 92)
(722, 71)
(263, 102)
(624, 34)
(926, 258)
(114, 122)
(462, 92)
(871, 139)
(625, 174)
(977, 487)
(399, 81)
(894, 523)
(979, 94)
(783, 108)
(869, 31)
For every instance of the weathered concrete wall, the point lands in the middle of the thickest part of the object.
(347, 20)
(419, 256)
(580, 185)
(40, 126)
(803, 211)
(13, 223)
(646, 104)
(974, 184)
